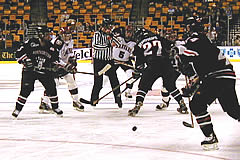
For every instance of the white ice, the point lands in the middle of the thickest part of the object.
(105, 132)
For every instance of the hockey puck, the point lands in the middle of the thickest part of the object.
(134, 128)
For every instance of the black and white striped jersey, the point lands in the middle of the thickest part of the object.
(101, 44)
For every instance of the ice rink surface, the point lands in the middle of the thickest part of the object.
(105, 132)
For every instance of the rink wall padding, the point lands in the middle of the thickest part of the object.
(84, 55)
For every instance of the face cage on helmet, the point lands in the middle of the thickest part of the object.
(66, 37)
(45, 35)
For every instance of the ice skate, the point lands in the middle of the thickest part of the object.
(135, 110)
(210, 143)
(163, 105)
(58, 112)
(45, 108)
(78, 106)
(16, 113)
(183, 109)
(128, 94)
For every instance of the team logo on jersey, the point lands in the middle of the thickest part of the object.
(34, 44)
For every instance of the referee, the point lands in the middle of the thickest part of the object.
(102, 43)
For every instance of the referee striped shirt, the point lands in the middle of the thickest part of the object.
(101, 45)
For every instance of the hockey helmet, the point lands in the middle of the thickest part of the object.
(194, 24)
(107, 25)
(120, 31)
(66, 34)
(44, 32)
(141, 33)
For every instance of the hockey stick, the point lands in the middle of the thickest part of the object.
(101, 72)
(115, 88)
(127, 87)
(104, 69)
(123, 63)
(96, 101)
(186, 124)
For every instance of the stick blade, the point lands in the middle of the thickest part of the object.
(187, 124)
(105, 69)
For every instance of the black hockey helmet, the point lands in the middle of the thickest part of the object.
(43, 31)
(107, 23)
(194, 24)
(120, 31)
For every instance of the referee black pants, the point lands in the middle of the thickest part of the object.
(98, 80)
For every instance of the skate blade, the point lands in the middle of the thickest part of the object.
(160, 109)
(210, 147)
(78, 109)
(59, 115)
(44, 112)
(132, 114)
(182, 112)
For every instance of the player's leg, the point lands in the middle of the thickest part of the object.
(165, 99)
(205, 95)
(229, 100)
(50, 86)
(148, 78)
(73, 90)
(169, 81)
(44, 105)
(27, 86)
(98, 80)
(112, 75)
(129, 85)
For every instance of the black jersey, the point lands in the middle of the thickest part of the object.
(206, 58)
(152, 45)
(41, 57)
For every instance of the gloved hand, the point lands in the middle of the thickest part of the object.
(72, 60)
(70, 68)
(136, 74)
(138, 71)
(27, 63)
(186, 69)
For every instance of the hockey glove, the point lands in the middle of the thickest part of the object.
(186, 69)
(138, 71)
(27, 63)
(72, 60)
(190, 90)
(70, 68)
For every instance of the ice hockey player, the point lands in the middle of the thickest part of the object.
(217, 80)
(64, 45)
(37, 56)
(153, 50)
(123, 54)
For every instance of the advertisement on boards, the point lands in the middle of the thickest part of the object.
(231, 52)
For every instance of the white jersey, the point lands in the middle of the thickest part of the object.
(65, 50)
(123, 52)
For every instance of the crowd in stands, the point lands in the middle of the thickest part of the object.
(214, 16)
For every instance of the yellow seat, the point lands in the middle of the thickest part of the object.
(8, 43)
(180, 18)
(12, 17)
(7, 12)
(26, 17)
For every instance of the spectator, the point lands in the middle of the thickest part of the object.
(237, 41)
